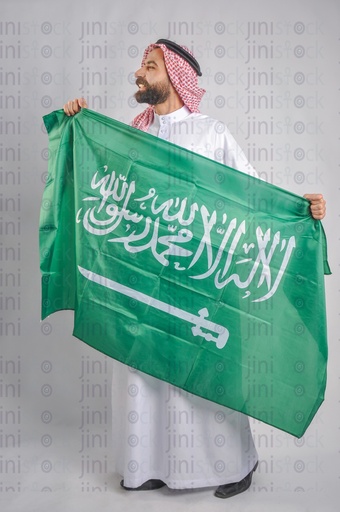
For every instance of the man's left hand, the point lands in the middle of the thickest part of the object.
(317, 205)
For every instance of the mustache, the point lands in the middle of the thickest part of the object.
(142, 81)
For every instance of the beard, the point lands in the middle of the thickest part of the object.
(152, 94)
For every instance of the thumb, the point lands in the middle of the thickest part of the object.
(82, 103)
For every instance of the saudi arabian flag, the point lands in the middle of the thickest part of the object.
(185, 269)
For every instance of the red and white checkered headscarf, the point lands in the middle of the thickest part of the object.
(183, 78)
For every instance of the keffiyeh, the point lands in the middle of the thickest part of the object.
(183, 78)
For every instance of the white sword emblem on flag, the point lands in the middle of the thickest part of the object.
(198, 321)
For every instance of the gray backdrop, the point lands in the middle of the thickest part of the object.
(271, 70)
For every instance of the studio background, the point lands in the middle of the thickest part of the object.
(271, 71)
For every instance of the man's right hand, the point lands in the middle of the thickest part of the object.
(74, 106)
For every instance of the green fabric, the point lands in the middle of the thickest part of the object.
(190, 271)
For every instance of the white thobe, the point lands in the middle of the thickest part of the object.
(167, 433)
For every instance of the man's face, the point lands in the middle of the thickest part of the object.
(153, 80)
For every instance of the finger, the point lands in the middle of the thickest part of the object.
(318, 201)
(69, 108)
(75, 108)
(318, 211)
(318, 216)
(313, 197)
(318, 206)
(66, 109)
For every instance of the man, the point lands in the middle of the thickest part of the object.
(169, 436)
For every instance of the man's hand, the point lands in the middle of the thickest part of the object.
(73, 106)
(317, 205)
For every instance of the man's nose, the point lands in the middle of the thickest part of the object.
(139, 72)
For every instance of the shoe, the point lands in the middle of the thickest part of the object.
(229, 490)
(149, 485)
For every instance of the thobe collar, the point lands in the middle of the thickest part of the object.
(161, 123)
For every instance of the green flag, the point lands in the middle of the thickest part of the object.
(190, 271)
